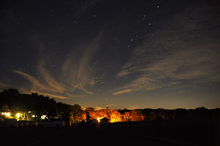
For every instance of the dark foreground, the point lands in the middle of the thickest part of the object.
(178, 133)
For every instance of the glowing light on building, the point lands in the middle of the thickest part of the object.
(6, 114)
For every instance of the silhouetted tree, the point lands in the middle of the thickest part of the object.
(115, 116)
(201, 108)
(191, 114)
(76, 112)
(89, 109)
(91, 112)
(103, 113)
(162, 114)
(136, 115)
(180, 113)
(152, 116)
(5, 108)
(127, 116)
(39, 104)
(8, 97)
(201, 112)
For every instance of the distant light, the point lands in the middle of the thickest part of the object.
(18, 115)
(43, 116)
(112, 121)
(158, 6)
(99, 119)
(6, 114)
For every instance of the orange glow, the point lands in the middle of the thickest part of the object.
(99, 118)
(113, 120)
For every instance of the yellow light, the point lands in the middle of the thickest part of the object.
(99, 119)
(18, 115)
(43, 116)
(6, 114)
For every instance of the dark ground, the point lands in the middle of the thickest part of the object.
(162, 133)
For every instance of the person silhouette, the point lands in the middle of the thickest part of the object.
(88, 117)
(88, 120)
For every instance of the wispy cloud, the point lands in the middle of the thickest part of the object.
(75, 75)
(132, 107)
(79, 72)
(122, 91)
(46, 89)
(50, 95)
(181, 52)
(111, 105)
(98, 108)
(3, 85)
(49, 78)
(36, 84)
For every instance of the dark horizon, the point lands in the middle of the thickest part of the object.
(6, 94)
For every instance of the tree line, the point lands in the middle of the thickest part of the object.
(11, 99)
(37, 104)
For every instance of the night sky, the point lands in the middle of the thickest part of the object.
(113, 53)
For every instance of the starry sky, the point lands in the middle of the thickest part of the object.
(113, 53)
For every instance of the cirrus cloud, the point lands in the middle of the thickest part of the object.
(181, 52)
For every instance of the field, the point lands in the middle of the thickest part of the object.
(158, 133)
(181, 132)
